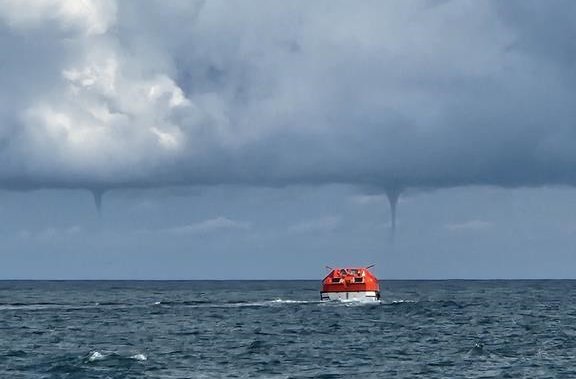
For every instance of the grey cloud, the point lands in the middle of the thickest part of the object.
(383, 95)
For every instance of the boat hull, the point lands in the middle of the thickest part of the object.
(354, 296)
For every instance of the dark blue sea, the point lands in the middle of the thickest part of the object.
(279, 329)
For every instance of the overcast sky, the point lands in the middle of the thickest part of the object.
(263, 139)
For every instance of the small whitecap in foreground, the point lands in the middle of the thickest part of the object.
(95, 356)
(139, 357)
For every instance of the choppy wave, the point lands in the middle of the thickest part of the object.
(139, 357)
(234, 304)
(286, 301)
(188, 303)
(223, 304)
(41, 306)
(402, 301)
(97, 356)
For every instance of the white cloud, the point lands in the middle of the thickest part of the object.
(324, 224)
(89, 16)
(472, 225)
(214, 225)
(50, 233)
(109, 118)
(146, 206)
(369, 199)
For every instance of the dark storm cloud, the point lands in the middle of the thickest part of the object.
(385, 95)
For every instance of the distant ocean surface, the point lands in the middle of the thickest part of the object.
(279, 329)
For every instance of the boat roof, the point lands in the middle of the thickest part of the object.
(349, 271)
(350, 268)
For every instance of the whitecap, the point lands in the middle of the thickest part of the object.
(403, 301)
(282, 301)
(360, 302)
(95, 356)
(139, 357)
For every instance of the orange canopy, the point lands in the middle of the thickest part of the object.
(350, 280)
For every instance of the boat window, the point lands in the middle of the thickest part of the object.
(358, 280)
(335, 280)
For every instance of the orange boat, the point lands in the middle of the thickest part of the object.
(350, 284)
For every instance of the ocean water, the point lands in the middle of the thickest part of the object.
(279, 329)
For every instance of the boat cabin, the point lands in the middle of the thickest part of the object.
(350, 283)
